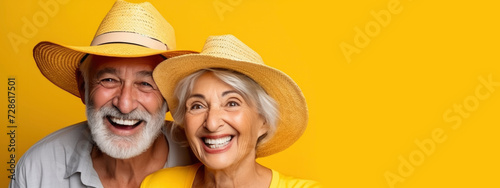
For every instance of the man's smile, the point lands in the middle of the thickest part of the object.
(123, 123)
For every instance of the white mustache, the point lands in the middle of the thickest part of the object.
(134, 115)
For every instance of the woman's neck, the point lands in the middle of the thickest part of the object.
(250, 174)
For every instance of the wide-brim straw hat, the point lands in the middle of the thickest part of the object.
(228, 52)
(128, 30)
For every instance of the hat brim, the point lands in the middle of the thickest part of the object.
(59, 63)
(292, 105)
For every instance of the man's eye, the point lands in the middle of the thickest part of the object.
(109, 82)
(145, 86)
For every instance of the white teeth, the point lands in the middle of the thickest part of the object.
(128, 122)
(217, 143)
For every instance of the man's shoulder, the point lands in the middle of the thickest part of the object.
(53, 155)
(65, 136)
(59, 141)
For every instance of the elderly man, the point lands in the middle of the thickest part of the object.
(125, 138)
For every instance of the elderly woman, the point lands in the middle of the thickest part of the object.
(233, 109)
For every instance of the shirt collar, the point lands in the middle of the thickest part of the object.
(78, 158)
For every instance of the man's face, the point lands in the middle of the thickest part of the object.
(125, 109)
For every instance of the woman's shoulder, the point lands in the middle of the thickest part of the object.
(280, 180)
(179, 176)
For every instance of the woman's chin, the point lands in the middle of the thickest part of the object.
(219, 164)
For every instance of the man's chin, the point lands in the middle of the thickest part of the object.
(120, 149)
(126, 147)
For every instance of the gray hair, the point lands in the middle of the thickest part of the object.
(84, 69)
(249, 89)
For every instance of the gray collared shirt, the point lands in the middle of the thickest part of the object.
(62, 159)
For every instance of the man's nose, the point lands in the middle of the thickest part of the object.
(214, 119)
(126, 100)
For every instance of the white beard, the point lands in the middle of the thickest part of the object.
(125, 147)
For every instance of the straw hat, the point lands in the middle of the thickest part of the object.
(128, 30)
(230, 53)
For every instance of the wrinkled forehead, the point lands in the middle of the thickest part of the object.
(95, 63)
(230, 82)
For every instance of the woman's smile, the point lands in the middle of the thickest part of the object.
(217, 144)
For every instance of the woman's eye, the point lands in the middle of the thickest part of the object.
(232, 103)
(196, 107)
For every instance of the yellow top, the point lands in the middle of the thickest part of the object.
(183, 177)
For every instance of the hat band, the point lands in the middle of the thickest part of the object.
(128, 37)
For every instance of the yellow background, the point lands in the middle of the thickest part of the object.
(400, 86)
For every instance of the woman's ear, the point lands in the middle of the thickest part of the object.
(262, 132)
(263, 129)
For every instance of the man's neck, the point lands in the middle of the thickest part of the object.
(130, 172)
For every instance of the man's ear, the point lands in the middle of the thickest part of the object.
(80, 81)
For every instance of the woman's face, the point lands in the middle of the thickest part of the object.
(221, 126)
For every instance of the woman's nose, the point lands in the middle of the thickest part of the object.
(214, 119)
